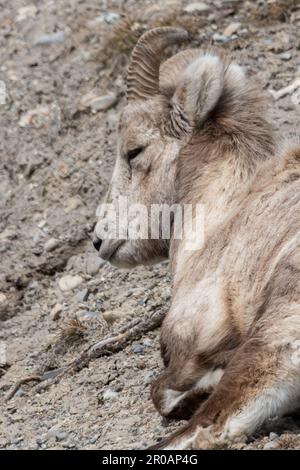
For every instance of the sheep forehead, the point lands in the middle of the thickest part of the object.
(139, 123)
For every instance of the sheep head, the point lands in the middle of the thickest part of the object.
(166, 104)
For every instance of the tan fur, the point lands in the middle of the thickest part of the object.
(236, 302)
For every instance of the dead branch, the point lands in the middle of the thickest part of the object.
(108, 345)
(34, 378)
(112, 344)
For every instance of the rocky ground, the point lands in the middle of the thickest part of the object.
(63, 64)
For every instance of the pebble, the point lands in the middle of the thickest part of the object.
(271, 445)
(108, 17)
(222, 39)
(110, 316)
(109, 395)
(56, 311)
(56, 434)
(35, 117)
(285, 56)
(97, 103)
(273, 436)
(51, 244)
(72, 204)
(197, 6)
(69, 444)
(93, 439)
(3, 298)
(149, 377)
(69, 282)
(29, 11)
(83, 295)
(137, 348)
(93, 264)
(45, 39)
(231, 29)
(88, 315)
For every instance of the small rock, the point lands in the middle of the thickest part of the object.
(45, 39)
(56, 434)
(137, 348)
(231, 29)
(110, 316)
(83, 295)
(41, 440)
(93, 264)
(149, 377)
(29, 11)
(69, 282)
(273, 436)
(285, 56)
(97, 103)
(51, 244)
(222, 39)
(109, 395)
(69, 444)
(197, 6)
(72, 204)
(56, 311)
(35, 117)
(93, 439)
(3, 298)
(88, 315)
(271, 445)
(61, 436)
(108, 17)
(3, 355)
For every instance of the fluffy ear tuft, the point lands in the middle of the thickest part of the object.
(200, 88)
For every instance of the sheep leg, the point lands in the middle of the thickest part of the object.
(262, 381)
(177, 393)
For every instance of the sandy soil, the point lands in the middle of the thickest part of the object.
(56, 157)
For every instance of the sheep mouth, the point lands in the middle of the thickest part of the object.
(109, 249)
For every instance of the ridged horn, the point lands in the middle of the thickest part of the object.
(143, 69)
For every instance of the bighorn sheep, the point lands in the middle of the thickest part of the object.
(194, 131)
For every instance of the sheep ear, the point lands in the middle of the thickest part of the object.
(200, 88)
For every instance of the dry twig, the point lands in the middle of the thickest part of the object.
(106, 346)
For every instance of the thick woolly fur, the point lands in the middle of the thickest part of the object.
(234, 324)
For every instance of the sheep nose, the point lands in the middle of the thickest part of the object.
(97, 243)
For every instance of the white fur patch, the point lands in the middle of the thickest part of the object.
(171, 399)
(209, 380)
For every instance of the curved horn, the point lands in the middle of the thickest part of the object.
(143, 69)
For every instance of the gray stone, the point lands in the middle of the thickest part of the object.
(196, 6)
(148, 379)
(285, 56)
(222, 39)
(271, 445)
(93, 439)
(137, 348)
(55, 312)
(46, 39)
(93, 264)
(273, 436)
(69, 282)
(88, 315)
(109, 395)
(51, 244)
(83, 295)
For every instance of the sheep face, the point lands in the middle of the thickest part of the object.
(142, 181)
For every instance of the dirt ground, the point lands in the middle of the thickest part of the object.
(57, 148)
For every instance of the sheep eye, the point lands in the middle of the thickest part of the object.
(134, 153)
